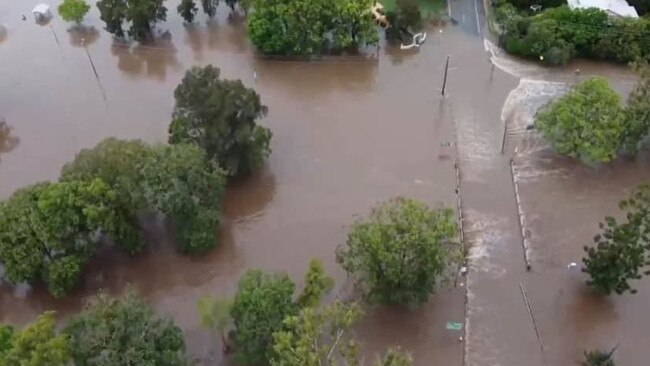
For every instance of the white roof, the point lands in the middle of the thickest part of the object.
(615, 7)
(41, 9)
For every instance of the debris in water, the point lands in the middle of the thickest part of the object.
(445, 144)
(573, 266)
(463, 270)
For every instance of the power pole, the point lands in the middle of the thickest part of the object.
(444, 81)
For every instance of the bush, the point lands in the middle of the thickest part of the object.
(400, 251)
(220, 116)
(588, 123)
(588, 33)
(36, 344)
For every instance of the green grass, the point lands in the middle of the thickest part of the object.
(426, 6)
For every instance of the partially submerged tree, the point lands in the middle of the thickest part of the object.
(588, 123)
(175, 180)
(637, 111)
(620, 253)
(260, 306)
(598, 358)
(404, 20)
(215, 316)
(187, 9)
(210, 7)
(400, 252)
(73, 10)
(142, 15)
(317, 337)
(48, 231)
(36, 344)
(396, 357)
(124, 331)
(220, 116)
(317, 283)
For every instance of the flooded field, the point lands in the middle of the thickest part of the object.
(348, 133)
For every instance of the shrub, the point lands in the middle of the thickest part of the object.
(400, 251)
(588, 123)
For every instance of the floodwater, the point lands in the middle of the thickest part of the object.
(349, 132)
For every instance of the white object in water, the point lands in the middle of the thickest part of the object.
(463, 270)
(573, 266)
(42, 11)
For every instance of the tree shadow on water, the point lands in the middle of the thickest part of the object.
(83, 35)
(149, 59)
(7, 141)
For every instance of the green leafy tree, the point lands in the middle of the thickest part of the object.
(36, 344)
(637, 111)
(405, 20)
(187, 9)
(123, 331)
(231, 4)
(49, 230)
(210, 7)
(220, 117)
(73, 10)
(113, 13)
(175, 180)
(260, 306)
(317, 283)
(317, 337)
(307, 27)
(400, 252)
(142, 15)
(588, 123)
(215, 316)
(619, 254)
(598, 358)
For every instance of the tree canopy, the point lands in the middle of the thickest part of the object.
(49, 230)
(36, 344)
(399, 253)
(301, 27)
(620, 251)
(123, 331)
(141, 14)
(260, 306)
(73, 10)
(187, 9)
(637, 111)
(175, 180)
(220, 117)
(588, 123)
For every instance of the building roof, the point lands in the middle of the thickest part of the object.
(614, 7)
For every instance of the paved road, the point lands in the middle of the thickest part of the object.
(468, 15)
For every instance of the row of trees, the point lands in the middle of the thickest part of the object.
(556, 35)
(397, 256)
(590, 124)
(107, 332)
(48, 231)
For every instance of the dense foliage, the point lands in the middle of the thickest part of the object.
(637, 111)
(175, 180)
(526, 4)
(49, 230)
(404, 21)
(36, 344)
(187, 10)
(73, 10)
(557, 34)
(123, 331)
(260, 306)
(141, 14)
(220, 117)
(306, 27)
(620, 251)
(588, 123)
(317, 283)
(400, 251)
(315, 337)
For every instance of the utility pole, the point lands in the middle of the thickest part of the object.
(92, 64)
(444, 81)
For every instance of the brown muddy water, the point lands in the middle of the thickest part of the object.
(348, 133)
